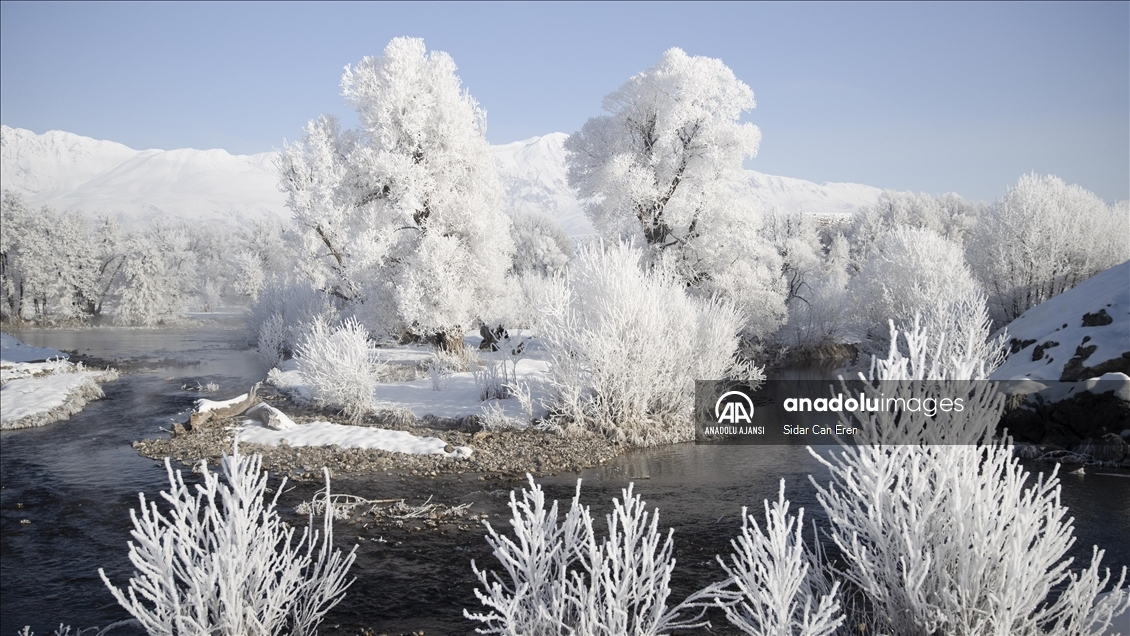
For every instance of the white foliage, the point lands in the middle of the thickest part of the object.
(947, 215)
(1042, 238)
(660, 169)
(558, 578)
(940, 526)
(401, 214)
(295, 305)
(915, 272)
(221, 561)
(341, 364)
(626, 345)
(540, 245)
(776, 593)
(272, 344)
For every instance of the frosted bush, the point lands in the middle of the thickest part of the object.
(541, 247)
(294, 304)
(626, 345)
(558, 579)
(942, 529)
(341, 364)
(775, 587)
(219, 560)
(272, 343)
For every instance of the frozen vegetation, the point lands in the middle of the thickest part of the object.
(41, 386)
(409, 233)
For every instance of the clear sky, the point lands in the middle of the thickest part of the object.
(960, 97)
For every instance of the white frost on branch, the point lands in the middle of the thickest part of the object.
(558, 579)
(221, 561)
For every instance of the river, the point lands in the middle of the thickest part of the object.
(75, 481)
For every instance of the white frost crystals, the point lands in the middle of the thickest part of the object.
(341, 364)
(558, 579)
(221, 561)
(626, 344)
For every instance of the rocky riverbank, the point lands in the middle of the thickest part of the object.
(510, 452)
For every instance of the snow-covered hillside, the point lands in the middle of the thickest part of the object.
(68, 171)
(1082, 333)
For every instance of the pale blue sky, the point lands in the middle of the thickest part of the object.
(927, 97)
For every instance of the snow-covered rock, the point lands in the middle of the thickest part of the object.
(1082, 333)
(68, 171)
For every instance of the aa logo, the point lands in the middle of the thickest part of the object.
(734, 407)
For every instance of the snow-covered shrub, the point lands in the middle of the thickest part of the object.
(915, 272)
(1041, 239)
(221, 561)
(942, 529)
(779, 585)
(540, 245)
(341, 364)
(558, 578)
(626, 345)
(272, 342)
(296, 304)
(660, 169)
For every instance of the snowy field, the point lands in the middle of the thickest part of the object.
(40, 386)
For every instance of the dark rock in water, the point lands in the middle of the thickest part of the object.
(1069, 422)
(1099, 319)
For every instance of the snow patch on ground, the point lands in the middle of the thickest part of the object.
(1056, 328)
(38, 393)
(327, 434)
(12, 350)
(458, 395)
(1116, 383)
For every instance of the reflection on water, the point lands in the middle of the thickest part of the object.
(76, 481)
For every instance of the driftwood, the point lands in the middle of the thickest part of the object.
(200, 420)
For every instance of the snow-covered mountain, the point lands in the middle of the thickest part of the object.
(68, 171)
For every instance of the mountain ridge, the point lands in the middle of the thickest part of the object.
(69, 171)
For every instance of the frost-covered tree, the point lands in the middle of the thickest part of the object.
(916, 272)
(262, 253)
(158, 276)
(660, 168)
(401, 215)
(947, 215)
(50, 264)
(540, 245)
(1041, 239)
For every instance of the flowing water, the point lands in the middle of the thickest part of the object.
(75, 481)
